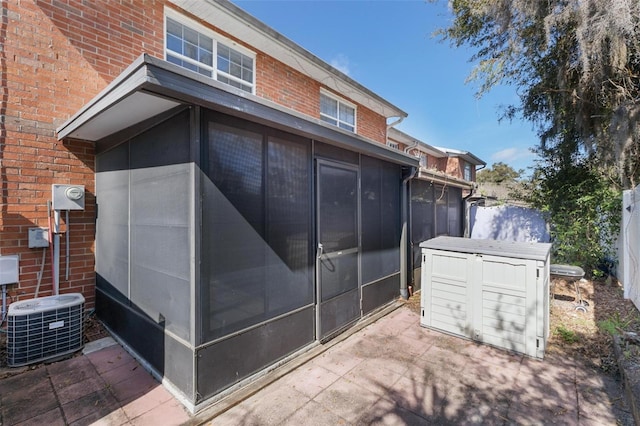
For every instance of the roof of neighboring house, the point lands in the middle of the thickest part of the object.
(230, 18)
(409, 140)
(465, 155)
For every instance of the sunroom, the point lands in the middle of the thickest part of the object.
(233, 233)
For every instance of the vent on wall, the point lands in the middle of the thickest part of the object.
(44, 328)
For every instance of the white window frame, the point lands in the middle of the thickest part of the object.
(217, 39)
(344, 102)
(424, 160)
(394, 145)
(466, 167)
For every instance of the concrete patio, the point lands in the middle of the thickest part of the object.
(390, 371)
(394, 372)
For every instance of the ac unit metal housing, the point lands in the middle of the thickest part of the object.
(44, 328)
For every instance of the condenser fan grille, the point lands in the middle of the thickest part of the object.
(44, 328)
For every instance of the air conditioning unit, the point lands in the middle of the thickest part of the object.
(44, 328)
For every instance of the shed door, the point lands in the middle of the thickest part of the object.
(338, 293)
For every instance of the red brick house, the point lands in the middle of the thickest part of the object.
(241, 202)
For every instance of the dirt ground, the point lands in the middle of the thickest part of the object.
(589, 334)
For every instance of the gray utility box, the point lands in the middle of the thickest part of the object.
(494, 292)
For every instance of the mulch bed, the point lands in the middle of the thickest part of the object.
(588, 334)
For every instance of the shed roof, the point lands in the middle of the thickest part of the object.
(511, 249)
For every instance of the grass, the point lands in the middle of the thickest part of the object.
(568, 336)
(614, 324)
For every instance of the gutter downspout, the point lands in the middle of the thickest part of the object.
(395, 123)
(404, 243)
(467, 213)
(468, 206)
(410, 147)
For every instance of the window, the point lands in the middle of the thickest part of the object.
(467, 171)
(194, 47)
(423, 159)
(337, 112)
(393, 145)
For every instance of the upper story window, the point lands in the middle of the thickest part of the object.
(394, 145)
(467, 175)
(199, 49)
(337, 111)
(423, 159)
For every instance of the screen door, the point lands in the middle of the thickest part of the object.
(338, 293)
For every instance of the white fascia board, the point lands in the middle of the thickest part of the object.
(408, 140)
(236, 22)
(465, 155)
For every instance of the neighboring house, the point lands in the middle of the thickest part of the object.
(241, 201)
(462, 163)
(437, 193)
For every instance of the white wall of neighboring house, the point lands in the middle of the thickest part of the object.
(510, 223)
(629, 245)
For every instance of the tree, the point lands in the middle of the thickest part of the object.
(498, 173)
(583, 209)
(576, 64)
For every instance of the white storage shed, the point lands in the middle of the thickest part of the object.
(494, 292)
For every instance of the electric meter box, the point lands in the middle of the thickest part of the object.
(67, 197)
(9, 270)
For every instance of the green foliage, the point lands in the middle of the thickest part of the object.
(576, 65)
(498, 173)
(583, 208)
(568, 336)
(614, 325)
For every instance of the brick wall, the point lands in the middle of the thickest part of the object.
(58, 54)
(454, 167)
(371, 125)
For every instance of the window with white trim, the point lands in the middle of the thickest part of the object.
(423, 159)
(199, 49)
(467, 171)
(338, 112)
(394, 145)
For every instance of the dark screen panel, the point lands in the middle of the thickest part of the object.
(161, 194)
(338, 210)
(455, 212)
(256, 225)
(442, 210)
(112, 222)
(380, 201)
(422, 216)
(236, 168)
(290, 279)
(334, 153)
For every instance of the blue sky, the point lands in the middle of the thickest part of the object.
(388, 47)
